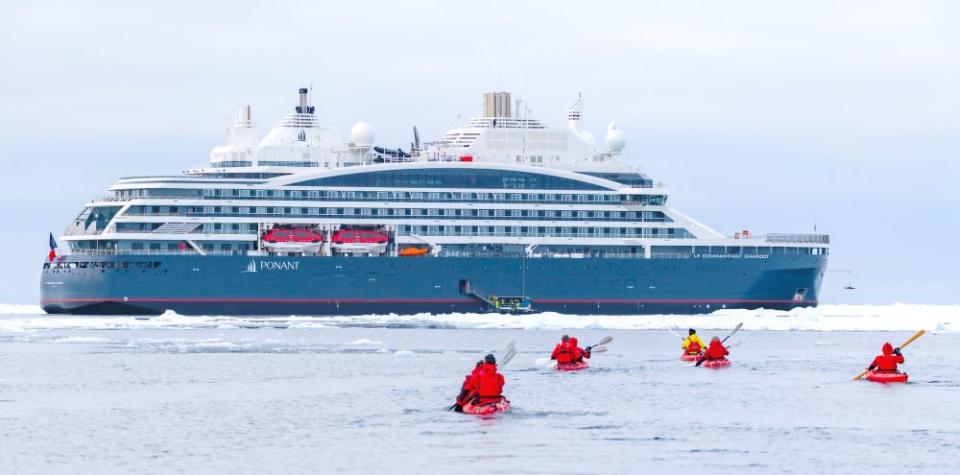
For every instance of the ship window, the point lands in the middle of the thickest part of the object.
(453, 178)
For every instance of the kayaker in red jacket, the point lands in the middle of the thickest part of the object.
(578, 353)
(887, 362)
(466, 388)
(562, 352)
(716, 350)
(487, 384)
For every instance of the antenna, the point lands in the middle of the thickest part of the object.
(849, 272)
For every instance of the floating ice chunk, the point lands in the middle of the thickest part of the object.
(405, 353)
(365, 341)
(82, 339)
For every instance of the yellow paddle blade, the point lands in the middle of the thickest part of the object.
(914, 337)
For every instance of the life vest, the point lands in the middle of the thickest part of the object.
(563, 354)
(887, 361)
(716, 351)
(576, 354)
(488, 383)
(693, 348)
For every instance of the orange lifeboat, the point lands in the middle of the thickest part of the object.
(413, 251)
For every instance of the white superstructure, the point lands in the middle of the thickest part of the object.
(499, 181)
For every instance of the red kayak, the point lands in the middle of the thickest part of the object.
(716, 363)
(575, 366)
(488, 408)
(689, 357)
(886, 376)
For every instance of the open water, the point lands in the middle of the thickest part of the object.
(177, 394)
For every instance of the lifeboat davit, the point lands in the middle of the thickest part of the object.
(414, 251)
(293, 240)
(357, 241)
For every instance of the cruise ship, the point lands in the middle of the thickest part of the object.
(504, 213)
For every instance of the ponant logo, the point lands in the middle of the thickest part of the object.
(272, 266)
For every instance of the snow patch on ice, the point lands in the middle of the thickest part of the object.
(896, 317)
(405, 353)
(365, 341)
(82, 339)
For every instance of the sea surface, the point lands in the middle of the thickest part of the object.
(176, 394)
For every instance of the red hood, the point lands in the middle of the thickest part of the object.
(887, 349)
(490, 368)
(573, 341)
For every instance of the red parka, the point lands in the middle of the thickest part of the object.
(466, 380)
(487, 383)
(562, 353)
(576, 352)
(716, 351)
(887, 361)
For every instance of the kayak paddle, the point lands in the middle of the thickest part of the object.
(508, 355)
(735, 329)
(914, 337)
(604, 341)
(675, 333)
(599, 349)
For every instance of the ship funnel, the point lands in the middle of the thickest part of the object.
(496, 104)
(303, 108)
(244, 117)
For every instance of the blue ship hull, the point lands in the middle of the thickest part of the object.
(244, 285)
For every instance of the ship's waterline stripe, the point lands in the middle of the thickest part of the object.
(571, 301)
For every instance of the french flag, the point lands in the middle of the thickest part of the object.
(53, 248)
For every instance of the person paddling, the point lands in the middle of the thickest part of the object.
(577, 353)
(466, 388)
(888, 361)
(716, 350)
(486, 384)
(561, 352)
(692, 344)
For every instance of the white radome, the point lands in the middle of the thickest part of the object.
(616, 140)
(362, 134)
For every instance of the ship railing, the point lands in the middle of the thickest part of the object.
(108, 198)
(80, 231)
(785, 238)
(799, 238)
(545, 255)
(524, 199)
(671, 255)
(230, 214)
(153, 252)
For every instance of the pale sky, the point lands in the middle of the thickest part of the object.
(769, 116)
